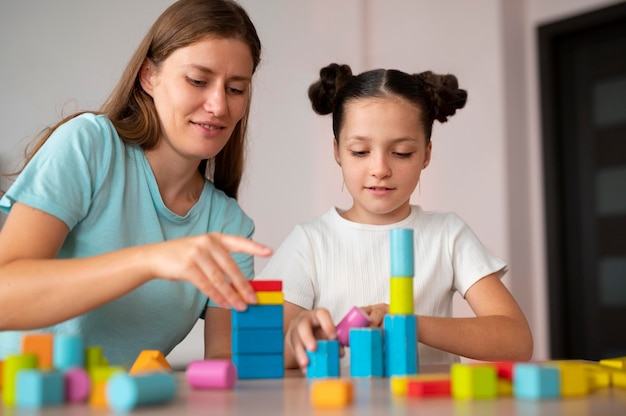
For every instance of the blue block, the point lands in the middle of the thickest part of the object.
(68, 351)
(324, 362)
(400, 334)
(401, 244)
(125, 392)
(366, 352)
(257, 341)
(35, 388)
(258, 316)
(535, 382)
(259, 365)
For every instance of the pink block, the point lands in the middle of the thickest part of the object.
(211, 374)
(77, 385)
(355, 318)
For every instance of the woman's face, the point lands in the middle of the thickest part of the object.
(382, 150)
(200, 92)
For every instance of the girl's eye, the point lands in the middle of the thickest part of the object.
(358, 153)
(195, 82)
(403, 155)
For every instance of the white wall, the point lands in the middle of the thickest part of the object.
(66, 55)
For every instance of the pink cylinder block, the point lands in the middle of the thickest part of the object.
(77, 385)
(211, 374)
(355, 318)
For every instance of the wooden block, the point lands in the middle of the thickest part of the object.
(474, 381)
(270, 298)
(36, 389)
(573, 379)
(257, 341)
(504, 369)
(618, 363)
(505, 388)
(536, 382)
(68, 351)
(148, 389)
(401, 296)
(258, 316)
(430, 387)
(267, 285)
(366, 352)
(401, 252)
(99, 376)
(150, 361)
(1, 366)
(94, 357)
(12, 365)
(211, 374)
(40, 344)
(400, 337)
(331, 393)
(252, 366)
(77, 385)
(618, 379)
(324, 362)
(355, 318)
(598, 376)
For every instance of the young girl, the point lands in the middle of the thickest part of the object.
(382, 124)
(114, 233)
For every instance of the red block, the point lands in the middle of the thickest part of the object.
(267, 285)
(429, 388)
(504, 370)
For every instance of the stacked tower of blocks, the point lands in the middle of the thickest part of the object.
(400, 325)
(257, 334)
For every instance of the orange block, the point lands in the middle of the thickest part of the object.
(150, 360)
(1, 374)
(333, 393)
(41, 345)
(97, 397)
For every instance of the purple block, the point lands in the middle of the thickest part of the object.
(77, 385)
(355, 318)
(211, 374)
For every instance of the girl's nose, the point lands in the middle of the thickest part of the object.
(380, 167)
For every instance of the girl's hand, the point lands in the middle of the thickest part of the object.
(376, 313)
(303, 331)
(205, 261)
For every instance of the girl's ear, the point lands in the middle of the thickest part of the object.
(336, 151)
(146, 76)
(429, 149)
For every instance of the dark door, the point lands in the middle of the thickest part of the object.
(583, 91)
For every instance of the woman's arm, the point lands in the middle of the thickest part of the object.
(37, 290)
(499, 332)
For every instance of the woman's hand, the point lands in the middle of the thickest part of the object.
(205, 261)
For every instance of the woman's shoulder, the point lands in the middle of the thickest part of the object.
(86, 130)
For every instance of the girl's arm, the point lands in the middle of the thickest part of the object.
(37, 290)
(217, 333)
(499, 332)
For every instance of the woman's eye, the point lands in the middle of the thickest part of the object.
(234, 91)
(195, 82)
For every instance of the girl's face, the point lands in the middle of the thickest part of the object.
(382, 150)
(200, 92)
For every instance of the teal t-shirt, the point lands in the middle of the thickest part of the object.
(106, 193)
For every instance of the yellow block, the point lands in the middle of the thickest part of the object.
(574, 378)
(618, 378)
(505, 388)
(399, 385)
(331, 393)
(150, 360)
(270, 298)
(1, 375)
(618, 362)
(598, 376)
(474, 381)
(401, 294)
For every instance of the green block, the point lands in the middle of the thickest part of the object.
(13, 364)
(474, 381)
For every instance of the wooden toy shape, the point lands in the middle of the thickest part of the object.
(399, 385)
(37, 388)
(12, 365)
(324, 362)
(474, 381)
(270, 298)
(41, 345)
(401, 296)
(536, 382)
(257, 341)
(77, 385)
(401, 244)
(94, 357)
(125, 392)
(366, 352)
(211, 374)
(267, 285)
(504, 369)
(505, 388)
(400, 338)
(331, 393)
(573, 378)
(258, 316)
(618, 379)
(99, 377)
(68, 351)
(251, 366)
(617, 363)
(355, 318)
(430, 387)
(1, 366)
(149, 361)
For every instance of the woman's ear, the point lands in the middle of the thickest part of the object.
(429, 148)
(336, 151)
(146, 76)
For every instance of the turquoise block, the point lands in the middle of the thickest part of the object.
(258, 316)
(400, 337)
(324, 362)
(535, 382)
(366, 352)
(125, 392)
(251, 366)
(401, 243)
(68, 352)
(257, 341)
(35, 388)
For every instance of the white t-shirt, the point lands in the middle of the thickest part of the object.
(334, 263)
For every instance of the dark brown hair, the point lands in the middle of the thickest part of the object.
(437, 96)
